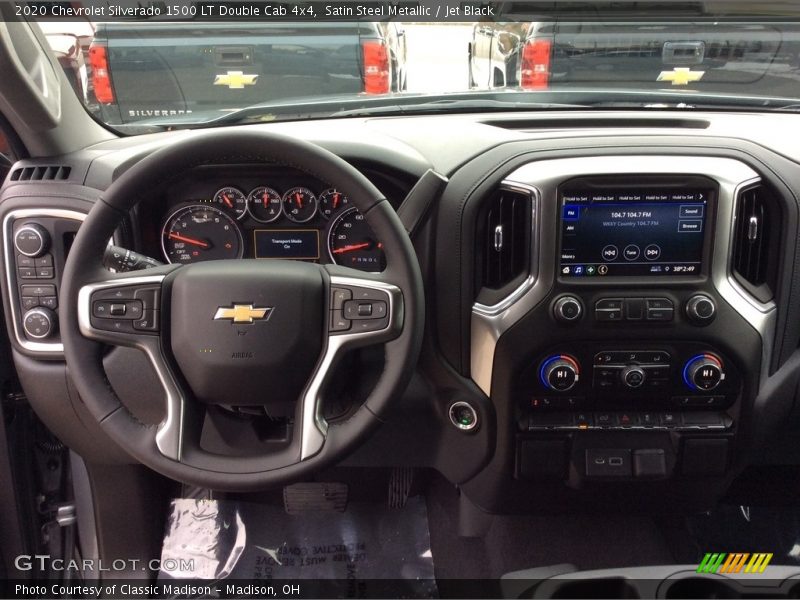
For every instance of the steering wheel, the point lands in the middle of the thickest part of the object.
(240, 332)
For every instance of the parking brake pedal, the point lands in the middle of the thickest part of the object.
(323, 496)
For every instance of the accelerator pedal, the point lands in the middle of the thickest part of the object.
(315, 496)
(400, 481)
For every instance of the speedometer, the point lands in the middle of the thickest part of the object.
(196, 233)
(351, 243)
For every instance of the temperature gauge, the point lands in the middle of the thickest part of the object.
(264, 204)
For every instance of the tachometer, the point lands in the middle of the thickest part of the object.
(196, 233)
(232, 201)
(351, 243)
(299, 204)
(264, 204)
(332, 201)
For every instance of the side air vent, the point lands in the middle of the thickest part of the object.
(503, 240)
(756, 243)
(50, 173)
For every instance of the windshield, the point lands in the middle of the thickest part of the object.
(153, 65)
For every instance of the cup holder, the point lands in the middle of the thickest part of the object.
(700, 587)
(612, 587)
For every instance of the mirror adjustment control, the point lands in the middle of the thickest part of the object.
(559, 373)
(39, 323)
(703, 372)
(32, 240)
(568, 309)
(701, 309)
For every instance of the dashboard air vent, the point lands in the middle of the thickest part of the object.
(755, 243)
(504, 238)
(43, 173)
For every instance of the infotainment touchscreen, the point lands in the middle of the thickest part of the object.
(613, 233)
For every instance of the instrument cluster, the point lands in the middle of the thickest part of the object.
(265, 217)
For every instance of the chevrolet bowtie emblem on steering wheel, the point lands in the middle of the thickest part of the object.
(242, 313)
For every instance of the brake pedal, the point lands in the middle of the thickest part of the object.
(323, 496)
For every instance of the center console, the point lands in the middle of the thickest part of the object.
(630, 354)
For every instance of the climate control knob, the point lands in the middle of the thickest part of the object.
(567, 309)
(39, 323)
(559, 373)
(633, 376)
(32, 240)
(701, 309)
(703, 373)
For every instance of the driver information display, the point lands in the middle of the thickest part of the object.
(630, 233)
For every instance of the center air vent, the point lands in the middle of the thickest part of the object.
(43, 173)
(756, 243)
(504, 234)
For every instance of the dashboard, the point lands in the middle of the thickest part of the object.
(259, 213)
(613, 308)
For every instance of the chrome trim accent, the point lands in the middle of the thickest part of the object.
(169, 437)
(314, 428)
(44, 313)
(543, 178)
(30, 227)
(11, 269)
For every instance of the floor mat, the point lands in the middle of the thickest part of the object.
(363, 550)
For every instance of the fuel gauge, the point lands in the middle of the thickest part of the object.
(332, 201)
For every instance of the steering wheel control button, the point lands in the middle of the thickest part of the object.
(148, 322)
(463, 416)
(127, 309)
(559, 373)
(32, 240)
(703, 372)
(568, 309)
(358, 310)
(633, 377)
(39, 323)
(339, 296)
(701, 309)
(338, 322)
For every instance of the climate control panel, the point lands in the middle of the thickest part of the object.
(677, 376)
